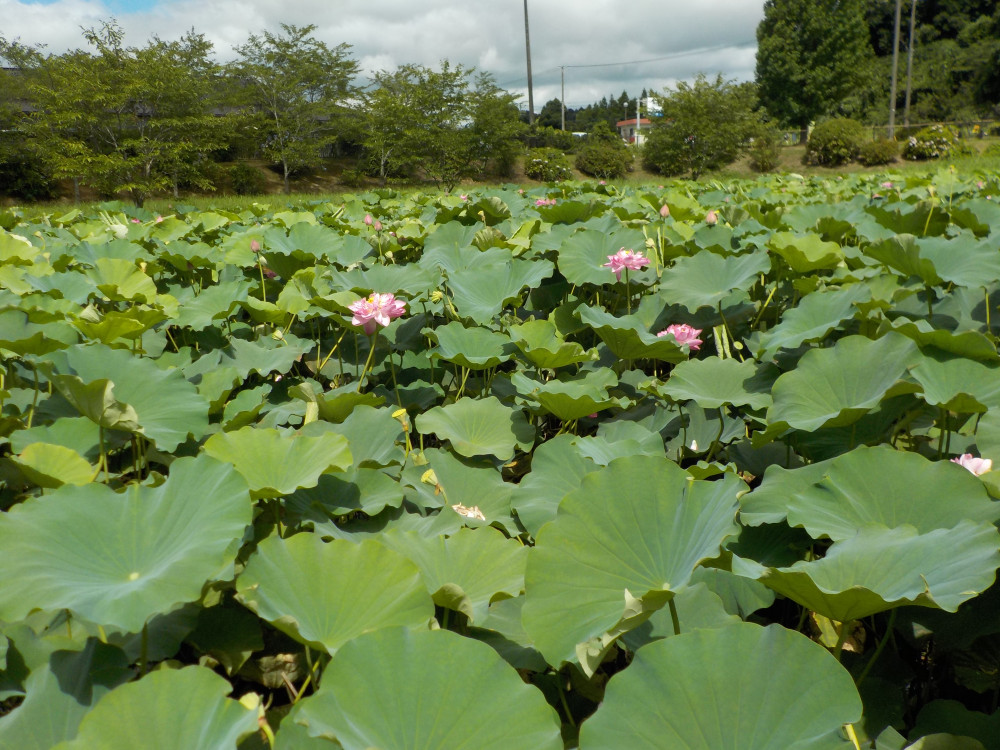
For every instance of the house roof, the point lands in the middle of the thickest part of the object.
(631, 121)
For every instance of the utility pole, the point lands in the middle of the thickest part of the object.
(527, 49)
(895, 67)
(909, 64)
(562, 96)
(637, 121)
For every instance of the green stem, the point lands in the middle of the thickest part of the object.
(144, 652)
(368, 362)
(562, 700)
(878, 648)
(263, 291)
(841, 640)
(673, 616)
(628, 295)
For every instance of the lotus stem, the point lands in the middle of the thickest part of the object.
(878, 648)
(673, 616)
(368, 362)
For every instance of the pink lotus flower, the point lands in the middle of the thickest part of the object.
(464, 197)
(545, 202)
(158, 219)
(376, 308)
(368, 219)
(254, 246)
(625, 259)
(378, 225)
(886, 185)
(684, 334)
(980, 184)
(664, 211)
(976, 465)
(711, 218)
(136, 221)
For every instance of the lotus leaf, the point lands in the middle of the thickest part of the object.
(483, 427)
(712, 382)
(706, 279)
(475, 348)
(326, 594)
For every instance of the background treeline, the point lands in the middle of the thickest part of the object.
(162, 117)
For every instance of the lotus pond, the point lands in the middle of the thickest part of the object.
(439, 471)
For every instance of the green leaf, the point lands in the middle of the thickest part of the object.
(478, 427)
(742, 686)
(570, 396)
(541, 343)
(475, 348)
(120, 559)
(627, 338)
(326, 594)
(121, 280)
(812, 319)
(480, 293)
(958, 384)
(557, 468)
(712, 382)
(165, 710)
(427, 690)
(705, 279)
(466, 571)
(583, 255)
(806, 253)
(634, 529)
(837, 386)
(275, 464)
(951, 716)
(50, 465)
(881, 568)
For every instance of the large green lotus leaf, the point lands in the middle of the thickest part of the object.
(465, 483)
(50, 465)
(881, 568)
(450, 248)
(570, 396)
(712, 382)
(475, 348)
(121, 280)
(427, 690)
(96, 401)
(697, 608)
(768, 502)
(972, 344)
(129, 325)
(165, 710)
(740, 596)
(478, 427)
(742, 686)
(557, 468)
(120, 558)
(582, 257)
(264, 356)
(367, 490)
(627, 338)
(19, 335)
(902, 253)
(212, 304)
(78, 433)
(837, 386)
(959, 384)
(887, 487)
(480, 293)
(955, 718)
(705, 279)
(466, 571)
(962, 260)
(60, 693)
(618, 549)
(325, 594)
(806, 253)
(812, 319)
(167, 406)
(544, 347)
(373, 435)
(275, 464)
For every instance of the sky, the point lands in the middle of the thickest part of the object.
(603, 46)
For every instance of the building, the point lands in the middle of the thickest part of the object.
(629, 132)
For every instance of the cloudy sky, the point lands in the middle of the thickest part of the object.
(606, 46)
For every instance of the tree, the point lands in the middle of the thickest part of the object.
(605, 154)
(123, 119)
(810, 55)
(299, 89)
(496, 129)
(705, 125)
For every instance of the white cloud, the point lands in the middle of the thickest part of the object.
(488, 34)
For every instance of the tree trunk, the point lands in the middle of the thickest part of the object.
(288, 187)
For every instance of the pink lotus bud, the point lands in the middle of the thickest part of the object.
(464, 197)
(368, 219)
(711, 218)
(254, 246)
(158, 219)
(664, 211)
(136, 221)
(378, 225)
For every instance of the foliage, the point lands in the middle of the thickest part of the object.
(297, 87)
(878, 153)
(246, 180)
(547, 165)
(604, 154)
(547, 137)
(765, 149)
(810, 55)
(933, 142)
(705, 125)
(834, 142)
(514, 513)
(125, 119)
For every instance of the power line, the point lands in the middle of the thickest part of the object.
(665, 57)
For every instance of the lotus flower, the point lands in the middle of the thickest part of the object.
(378, 225)
(887, 185)
(684, 334)
(625, 259)
(254, 246)
(664, 211)
(711, 218)
(368, 219)
(976, 465)
(545, 202)
(376, 308)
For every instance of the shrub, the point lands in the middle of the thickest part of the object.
(992, 151)
(605, 154)
(933, 142)
(765, 151)
(834, 142)
(547, 165)
(352, 178)
(878, 153)
(25, 177)
(246, 180)
(547, 137)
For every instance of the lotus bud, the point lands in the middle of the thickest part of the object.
(664, 211)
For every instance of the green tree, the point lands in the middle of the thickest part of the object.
(124, 119)
(298, 89)
(810, 55)
(605, 154)
(705, 125)
(495, 129)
